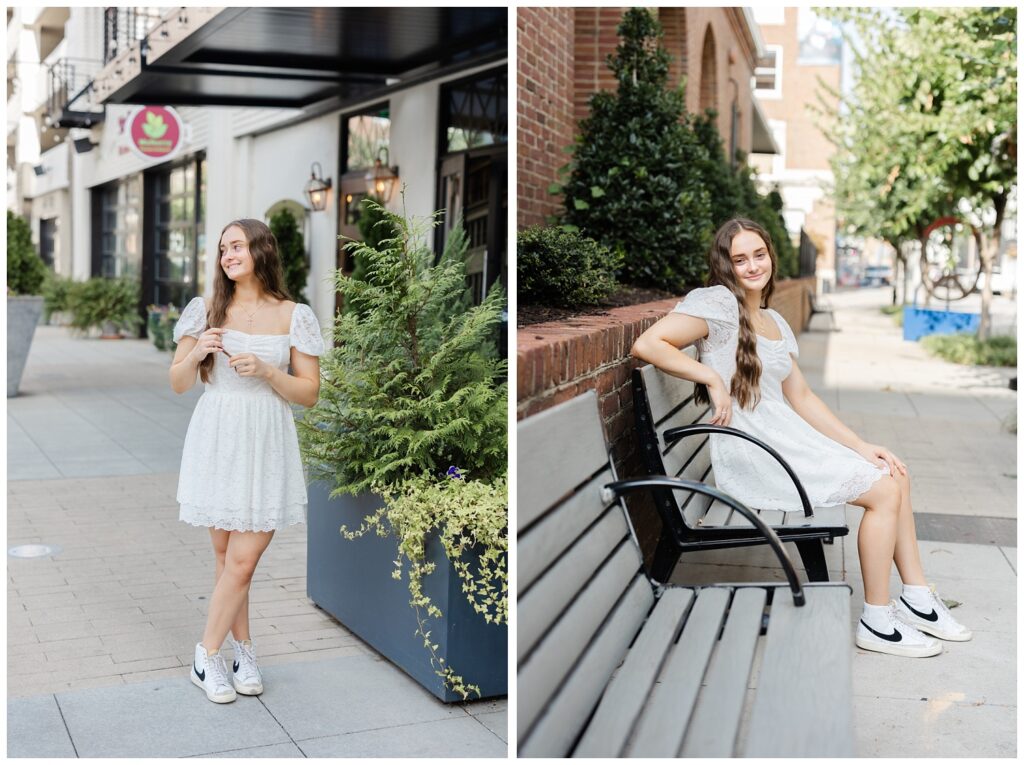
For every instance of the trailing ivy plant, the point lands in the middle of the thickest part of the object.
(413, 386)
(470, 521)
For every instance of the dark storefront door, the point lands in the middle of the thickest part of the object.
(173, 256)
(47, 230)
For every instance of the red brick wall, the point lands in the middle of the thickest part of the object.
(595, 39)
(546, 123)
(673, 21)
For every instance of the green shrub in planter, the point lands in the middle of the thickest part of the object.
(632, 184)
(26, 271)
(56, 289)
(563, 268)
(99, 301)
(413, 387)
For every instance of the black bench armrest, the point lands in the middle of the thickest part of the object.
(616, 488)
(674, 434)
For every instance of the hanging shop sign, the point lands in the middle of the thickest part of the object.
(155, 132)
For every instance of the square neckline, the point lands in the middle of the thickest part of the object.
(782, 338)
(291, 320)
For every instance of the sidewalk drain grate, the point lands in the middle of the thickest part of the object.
(32, 551)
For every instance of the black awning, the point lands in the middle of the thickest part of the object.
(293, 57)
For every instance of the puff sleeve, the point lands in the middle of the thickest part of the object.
(305, 331)
(787, 333)
(717, 306)
(192, 321)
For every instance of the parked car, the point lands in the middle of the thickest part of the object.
(876, 276)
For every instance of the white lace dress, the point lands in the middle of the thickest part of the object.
(832, 474)
(240, 466)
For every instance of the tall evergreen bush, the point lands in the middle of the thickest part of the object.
(414, 383)
(632, 185)
(25, 269)
(292, 249)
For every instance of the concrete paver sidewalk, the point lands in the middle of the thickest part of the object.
(949, 424)
(101, 634)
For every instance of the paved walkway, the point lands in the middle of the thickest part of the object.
(100, 635)
(949, 424)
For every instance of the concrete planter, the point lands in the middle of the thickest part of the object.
(23, 313)
(351, 580)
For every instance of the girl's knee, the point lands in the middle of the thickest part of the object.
(241, 566)
(886, 495)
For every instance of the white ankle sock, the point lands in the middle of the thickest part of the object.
(876, 617)
(917, 595)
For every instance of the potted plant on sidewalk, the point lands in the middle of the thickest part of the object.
(26, 272)
(407, 454)
(109, 304)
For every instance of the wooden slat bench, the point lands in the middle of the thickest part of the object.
(611, 664)
(675, 442)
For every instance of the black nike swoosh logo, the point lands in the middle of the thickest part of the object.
(932, 617)
(895, 637)
(200, 675)
(234, 666)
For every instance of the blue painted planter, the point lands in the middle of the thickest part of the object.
(920, 322)
(351, 580)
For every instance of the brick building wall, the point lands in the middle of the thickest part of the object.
(562, 54)
(546, 122)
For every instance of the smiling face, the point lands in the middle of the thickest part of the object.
(751, 262)
(235, 258)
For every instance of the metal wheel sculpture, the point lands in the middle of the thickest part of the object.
(939, 272)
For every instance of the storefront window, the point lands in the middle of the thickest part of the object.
(120, 253)
(178, 244)
(368, 133)
(475, 111)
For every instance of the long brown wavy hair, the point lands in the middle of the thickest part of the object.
(266, 265)
(745, 387)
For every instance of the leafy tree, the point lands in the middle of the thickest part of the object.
(25, 269)
(632, 186)
(929, 129)
(293, 253)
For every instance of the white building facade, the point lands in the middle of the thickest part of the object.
(117, 213)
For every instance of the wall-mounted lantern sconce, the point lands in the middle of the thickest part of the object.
(381, 179)
(39, 169)
(317, 187)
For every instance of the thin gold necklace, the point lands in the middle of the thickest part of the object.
(250, 315)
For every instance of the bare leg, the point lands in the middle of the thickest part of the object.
(876, 541)
(907, 554)
(243, 553)
(240, 626)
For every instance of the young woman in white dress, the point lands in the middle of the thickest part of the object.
(747, 371)
(241, 474)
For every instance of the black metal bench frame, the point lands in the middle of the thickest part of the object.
(678, 537)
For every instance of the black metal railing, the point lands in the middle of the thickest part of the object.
(68, 82)
(124, 26)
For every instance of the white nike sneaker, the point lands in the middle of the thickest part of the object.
(246, 676)
(211, 674)
(935, 620)
(898, 638)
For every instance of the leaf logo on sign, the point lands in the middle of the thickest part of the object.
(155, 126)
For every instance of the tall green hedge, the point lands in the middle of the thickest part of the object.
(292, 249)
(25, 269)
(632, 185)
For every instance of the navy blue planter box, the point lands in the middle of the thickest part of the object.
(351, 580)
(919, 322)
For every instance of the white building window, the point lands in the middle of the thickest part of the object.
(766, 15)
(768, 76)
